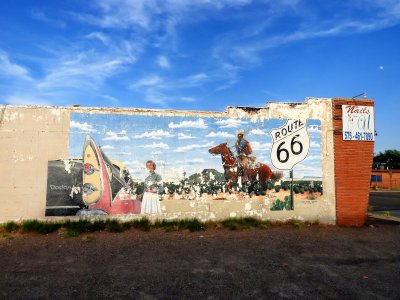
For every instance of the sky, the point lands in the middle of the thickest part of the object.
(202, 54)
(180, 144)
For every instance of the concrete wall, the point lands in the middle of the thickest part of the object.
(27, 139)
(30, 136)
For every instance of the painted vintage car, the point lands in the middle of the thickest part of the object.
(93, 184)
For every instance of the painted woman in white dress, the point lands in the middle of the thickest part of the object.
(152, 190)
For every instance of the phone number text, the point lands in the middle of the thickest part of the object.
(358, 136)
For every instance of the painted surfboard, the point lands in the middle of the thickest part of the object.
(93, 174)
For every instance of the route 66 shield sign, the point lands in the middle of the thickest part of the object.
(291, 144)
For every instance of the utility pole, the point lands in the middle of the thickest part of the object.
(291, 190)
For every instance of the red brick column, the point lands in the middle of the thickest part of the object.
(353, 167)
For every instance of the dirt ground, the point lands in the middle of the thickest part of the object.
(281, 262)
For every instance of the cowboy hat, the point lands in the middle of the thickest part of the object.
(242, 132)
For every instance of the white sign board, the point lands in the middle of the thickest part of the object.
(358, 123)
(290, 144)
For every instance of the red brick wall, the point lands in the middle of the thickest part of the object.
(353, 163)
(390, 179)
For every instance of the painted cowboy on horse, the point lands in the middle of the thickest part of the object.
(243, 150)
(256, 171)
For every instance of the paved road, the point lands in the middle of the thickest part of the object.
(385, 200)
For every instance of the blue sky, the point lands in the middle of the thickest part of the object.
(202, 55)
(180, 144)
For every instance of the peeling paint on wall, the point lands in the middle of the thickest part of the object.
(10, 117)
(51, 138)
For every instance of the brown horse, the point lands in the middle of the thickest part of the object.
(260, 171)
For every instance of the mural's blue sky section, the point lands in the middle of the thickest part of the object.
(180, 144)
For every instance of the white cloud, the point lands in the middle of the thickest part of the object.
(84, 70)
(41, 16)
(303, 167)
(145, 14)
(192, 147)
(265, 159)
(314, 158)
(163, 62)
(98, 36)
(156, 134)
(260, 146)
(258, 131)
(158, 152)
(183, 136)
(112, 99)
(163, 90)
(200, 124)
(140, 26)
(147, 81)
(221, 134)
(246, 47)
(174, 174)
(160, 145)
(107, 147)
(27, 100)
(314, 129)
(191, 161)
(134, 163)
(119, 14)
(84, 127)
(314, 144)
(7, 68)
(113, 136)
(231, 123)
(125, 153)
(70, 70)
(196, 79)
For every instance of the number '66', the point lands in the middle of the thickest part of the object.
(286, 154)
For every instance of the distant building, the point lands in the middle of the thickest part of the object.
(304, 178)
(385, 179)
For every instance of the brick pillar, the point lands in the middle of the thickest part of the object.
(353, 168)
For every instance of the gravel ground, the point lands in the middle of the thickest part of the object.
(281, 262)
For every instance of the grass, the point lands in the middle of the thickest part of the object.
(39, 227)
(241, 223)
(77, 228)
(115, 226)
(167, 225)
(72, 233)
(192, 225)
(6, 236)
(386, 214)
(143, 224)
(11, 226)
(175, 225)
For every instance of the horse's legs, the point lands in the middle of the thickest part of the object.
(263, 184)
(245, 168)
(228, 186)
(250, 189)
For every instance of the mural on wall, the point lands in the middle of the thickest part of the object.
(127, 164)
